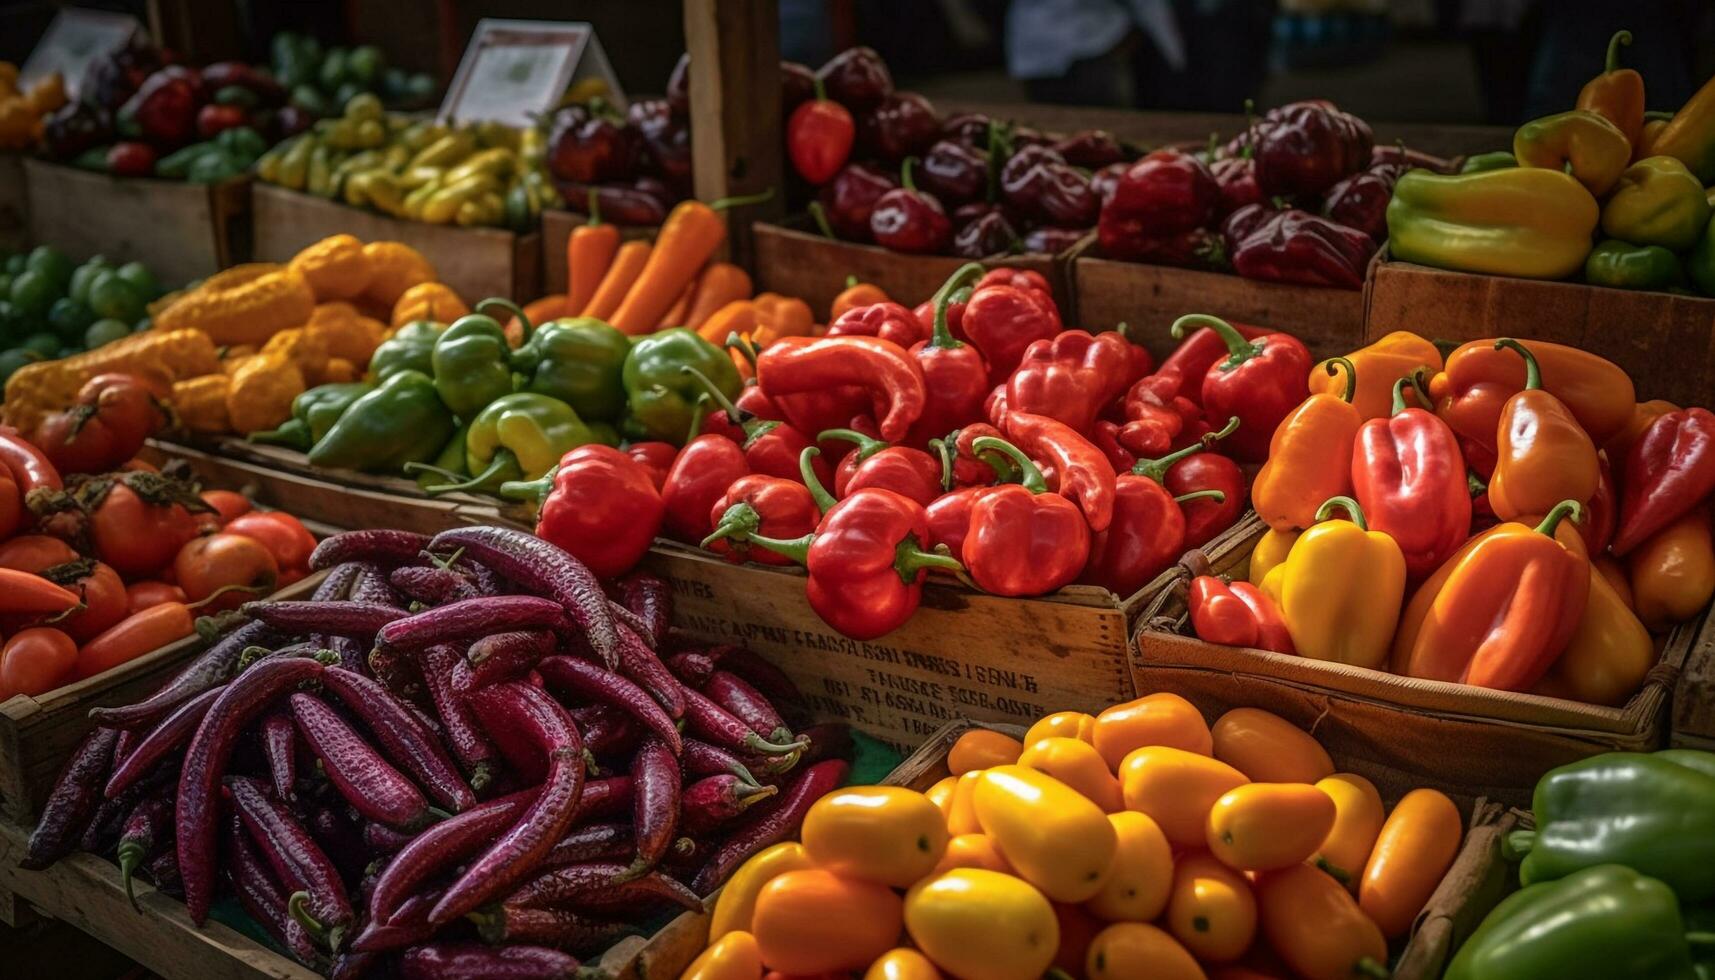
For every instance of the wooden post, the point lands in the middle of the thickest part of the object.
(735, 109)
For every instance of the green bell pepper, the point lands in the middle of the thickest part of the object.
(314, 412)
(517, 437)
(1623, 265)
(580, 362)
(411, 348)
(447, 466)
(662, 396)
(1599, 923)
(473, 362)
(604, 433)
(402, 421)
(1700, 264)
(1495, 160)
(1651, 812)
(1656, 202)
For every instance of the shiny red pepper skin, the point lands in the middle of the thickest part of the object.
(950, 518)
(763, 505)
(1165, 194)
(1258, 383)
(1146, 537)
(1155, 414)
(1081, 470)
(1195, 355)
(655, 457)
(808, 376)
(706, 467)
(889, 321)
(902, 124)
(1002, 321)
(955, 376)
(771, 447)
(969, 469)
(1105, 435)
(849, 199)
(1023, 540)
(1072, 377)
(603, 508)
(1409, 477)
(819, 138)
(1193, 468)
(1237, 179)
(909, 472)
(955, 172)
(1237, 615)
(1297, 246)
(1670, 468)
(1360, 201)
(1037, 183)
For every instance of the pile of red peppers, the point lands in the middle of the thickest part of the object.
(1300, 196)
(974, 437)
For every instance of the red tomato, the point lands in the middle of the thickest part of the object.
(243, 566)
(34, 552)
(36, 661)
(139, 526)
(226, 504)
(141, 595)
(281, 533)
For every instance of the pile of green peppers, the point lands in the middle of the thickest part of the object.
(462, 410)
(1618, 877)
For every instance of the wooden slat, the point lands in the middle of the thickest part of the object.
(736, 145)
(14, 203)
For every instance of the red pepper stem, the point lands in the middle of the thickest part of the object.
(595, 209)
(1614, 43)
(740, 520)
(742, 200)
(1532, 370)
(820, 216)
(824, 500)
(1399, 394)
(909, 559)
(797, 549)
(1346, 504)
(509, 307)
(1239, 350)
(1217, 496)
(736, 415)
(866, 446)
(1156, 469)
(1559, 513)
(1030, 475)
(1333, 365)
(941, 337)
(820, 89)
(536, 490)
(905, 180)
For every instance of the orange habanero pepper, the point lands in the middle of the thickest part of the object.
(1542, 454)
(1309, 456)
(1398, 355)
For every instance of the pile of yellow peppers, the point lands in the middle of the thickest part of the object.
(484, 174)
(1141, 842)
(1603, 190)
(23, 110)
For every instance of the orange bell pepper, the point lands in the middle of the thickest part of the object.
(1416, 846)
(1316, 927)
(1673, 571)
(1309, 456)
(886, 834)
(1479, 378)
(856, 294)
(1610, 654)
(1618, 93)
(1398, 355)
(815, 921)
(1542, 454)
(1500, 611)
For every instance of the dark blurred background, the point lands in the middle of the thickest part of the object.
(1453, 61)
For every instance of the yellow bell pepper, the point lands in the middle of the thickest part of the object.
(885, 834)
(1657, 202)
(1377, 367)
(1521, 221)
(1270, 551)
(737, 901)
(1058, 840)
(1341, 589)
(1584, 142)
(1610, 654)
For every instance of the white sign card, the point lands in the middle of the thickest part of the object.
(513, 70)
(74, 39)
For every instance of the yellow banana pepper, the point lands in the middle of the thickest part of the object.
(1522, 221)
(1341, 589)
(1594, 149)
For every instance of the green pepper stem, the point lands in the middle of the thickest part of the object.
(1614, 43)
(909, 559)
(297, 907)
(1532, 370)
(1334, 871)
(1559, 513)
(1475, 485)
(1367, 967)
(1217, 496)
(866, 445)
(536, 490)
(595, 209)
(1420, 381)
(130, 856)
(1700, 939)
(1515, 845)
(851, 280)
(293, 434)
(1239, 350)
(820, 89)
(797, 549)
(739, 521)
(940, 336)
(1156, 469)
(497, 464)
(742, 200)
(736, 415)
(514, 309)
(944, 453)
(1333, 365)
(1030, 474)
(1347, 504)
(820, 217)
(1399, 395)
(739, 342)
(824, 500)
(440, 471)
(905, 180)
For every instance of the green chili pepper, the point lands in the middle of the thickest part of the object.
(579, 361)
(314, 412)
(447, 466)
(662, 396)
(411, 348)
(1623, 265)
(1496, 160)
(517, 437)
(473, 362)
(402, 421)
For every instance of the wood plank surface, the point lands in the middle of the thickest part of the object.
(14, 203)
(736, 143)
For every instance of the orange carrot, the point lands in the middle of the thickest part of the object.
(550, 307)
(675, 317)
(688, 238)
(627, 265)
(589, 253)
(720, 284)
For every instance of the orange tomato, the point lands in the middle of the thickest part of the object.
(1142, 875)
(981, 748)
(141, 595)
(1265, 826)
(973, 851)
(886, 834)
(1316, 927)
(1157, 719)
(36, 661)
(734, 956)
(813, 920)
(1127, 950)
(240, 565)
(1267, 748)
(227, 504)
(1058, 841)
(1177, 788)
(1078, 765)
(902, 964)
(136, 535)
(1211, 909)
(961, 814)
(736, 905)
(1062, 724)
(1415, 848)
(1358, 816)
(982, 925)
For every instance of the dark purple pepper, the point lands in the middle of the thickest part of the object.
(902, 125)
(857, 78)
(1360, 201)
(955, 172)
(590, 147)
(970, 128)
(679, 86)
(986, 236)
(666, 141)
(908, 220)
(1049, 240)
(1308, 147)
(849, 200)
(1090, 148)
(797, 86)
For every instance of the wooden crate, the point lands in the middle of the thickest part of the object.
(14, 203)
(38, 733)
(1666, 342)
(557, 226)
(1148, 298)
(180, 231)
(1399, 731)
(475, 262)
(793, 260)
(963, 654)
(279, 477)
(1693, 721)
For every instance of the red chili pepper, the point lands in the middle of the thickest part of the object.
(706, 467)
(1259, 382)
(819, 137)
(1072, 377)
(1023, 540)
(889, 321)
(770, 447)
(29, 466)
(599, 504)
(760, 505)
(955, 376)
(1105, 435)
(1237, 615)
(1155, 415)
(1083, 472)
(1190, 469)
(925, 313)
(1670, 469)
(1409, 478)
(1003, 320)
(1145, 539)
(865, 561)
(883, 370)
(1193, 358)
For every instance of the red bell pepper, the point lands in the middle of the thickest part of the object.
(707, 466)
(1670, 470)
(603, 509)
(1002, 320)
(884, 371)
(1297, 246)
(1410, 480)
(1083, 472)
(1155, 413)
(760, 505)
(1258, 383)
(770, 447)
(950, 519)
(655, 457)
(1195, 355)
(1105, 435)
(955, 376)
(889, 321)
(1071, 378)
(819, 137)
(909, 472)
(1146, 537)
(1304, 148)
(1023, 540)
(1191, 469)
(961, 466)
(865, 562)
(1166, 194)
(1237, 614)
(1027, 279)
